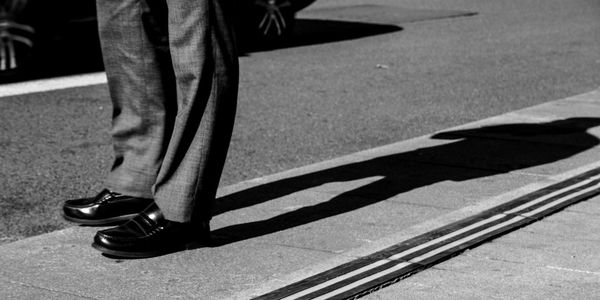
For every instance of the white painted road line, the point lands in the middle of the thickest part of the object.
(44, 85)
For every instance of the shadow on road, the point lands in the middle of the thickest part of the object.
(82, 55)
(475, 153)
(314, 32)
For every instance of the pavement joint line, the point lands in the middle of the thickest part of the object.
(306, 248)
(45, 288)
(380, 268)
(583, 212)
(419, 205)
(46, 85)
(573, 270)
(533, 232)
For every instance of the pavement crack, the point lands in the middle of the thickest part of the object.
(504, 260)
(310, 249)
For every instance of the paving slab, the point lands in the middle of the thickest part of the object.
(486, 279)
(64, 262)
(566, 225)
(358, 227)
(585, 208)
(556, 258)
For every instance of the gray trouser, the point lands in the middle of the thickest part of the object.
(173, 77)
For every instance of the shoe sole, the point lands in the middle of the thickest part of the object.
(148, 254)
(100, 222)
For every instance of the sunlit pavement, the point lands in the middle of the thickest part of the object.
(273, 231)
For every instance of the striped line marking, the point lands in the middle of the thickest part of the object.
(367, 274)
(45, 85)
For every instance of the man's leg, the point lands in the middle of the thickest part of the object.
(142, 87)
(140, 80)
(206, 71)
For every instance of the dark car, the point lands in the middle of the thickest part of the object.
(30, 29)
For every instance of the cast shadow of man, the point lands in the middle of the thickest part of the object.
(314, 32)
(475, 153)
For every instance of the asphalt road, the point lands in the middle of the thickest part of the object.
(305, 104)
(353, 77)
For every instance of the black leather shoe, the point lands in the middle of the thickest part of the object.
(105, 208)
(149, 234)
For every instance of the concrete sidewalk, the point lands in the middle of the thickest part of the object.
(273, 231)
(555, 258)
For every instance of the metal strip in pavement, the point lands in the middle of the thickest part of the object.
(372, 272)
(45, 85)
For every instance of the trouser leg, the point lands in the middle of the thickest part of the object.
(140, 79)
(206, 71)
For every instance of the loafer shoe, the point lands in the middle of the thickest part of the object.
(105, 208)
(149, 234)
